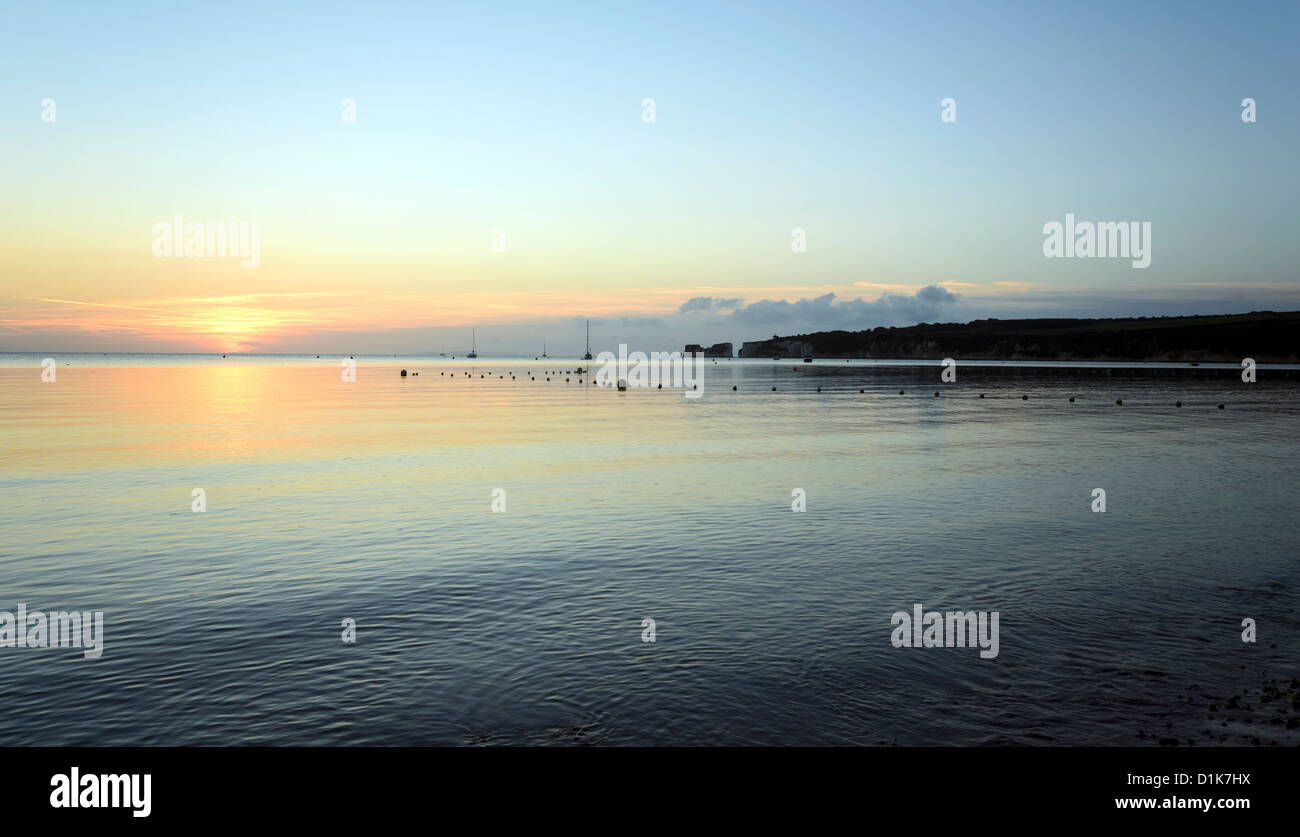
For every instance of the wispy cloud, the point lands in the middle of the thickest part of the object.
(707, 304)
(825, 312)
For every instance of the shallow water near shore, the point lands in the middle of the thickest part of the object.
(372, 500)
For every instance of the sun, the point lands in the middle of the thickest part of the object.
(233, 329)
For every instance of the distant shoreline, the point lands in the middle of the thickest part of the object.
(1265, 336)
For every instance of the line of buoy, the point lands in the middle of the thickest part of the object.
(622, 386)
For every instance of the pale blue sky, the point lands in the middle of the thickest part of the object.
(769, 116)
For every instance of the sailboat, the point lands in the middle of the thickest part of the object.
(473, 352)
(543, 348)
(587, 356)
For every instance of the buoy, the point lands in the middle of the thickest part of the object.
(622, 384)
(1119, 401)
(1178, 403)
(900, 392)
(773, 389)
(1071, 399)
(661, 386)
(733, 389)
(861, 391)
(1220, 406)
(819, 389)
(981, 395)
(1024, 398)
(403, 373)
(936, 395)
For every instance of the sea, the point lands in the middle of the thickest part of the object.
(302, 550)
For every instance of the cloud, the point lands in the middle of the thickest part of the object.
(707, 303)
(824, 313)
(935, 294)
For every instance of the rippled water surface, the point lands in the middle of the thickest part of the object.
(372, 500)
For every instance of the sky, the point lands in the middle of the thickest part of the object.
(502, 173)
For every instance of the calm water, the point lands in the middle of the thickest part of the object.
(372, 500)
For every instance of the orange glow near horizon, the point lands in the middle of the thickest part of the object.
(239, 323)
(245, 322)
(242, 322)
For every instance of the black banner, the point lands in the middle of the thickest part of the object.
(140, 787)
